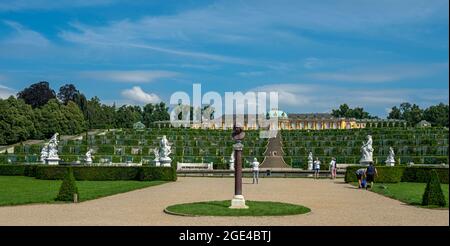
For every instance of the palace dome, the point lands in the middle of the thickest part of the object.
(275, 113)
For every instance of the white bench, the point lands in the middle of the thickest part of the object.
(191, 166)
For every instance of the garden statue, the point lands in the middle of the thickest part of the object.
(390, 161)
(156, 160)
(231, 163)
(367, 151)
(310, 161)
(44, 153)
(163, 153)
(49, 153)
(89, 157)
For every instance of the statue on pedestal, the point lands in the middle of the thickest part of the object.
(44, 153)
(390, 161)
(162, 153)
(49, 153)
(310, 161)
(231, 162)
(89, 157)
(156, 160)
(367, 151)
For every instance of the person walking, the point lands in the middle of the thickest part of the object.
(371, 172)
(360, 175)
(333, 168)
(316, 168)
(255, 170)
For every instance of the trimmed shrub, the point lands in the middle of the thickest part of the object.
(385, 174)
(158, 173)
(68, 187)
(108, 173)
(422, 174)
(400, 174)
(18, 170)
(433, 194)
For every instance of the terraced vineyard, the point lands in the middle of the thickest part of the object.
(418, 145)
(120, 146)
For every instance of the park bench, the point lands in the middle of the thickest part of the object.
(194, 166)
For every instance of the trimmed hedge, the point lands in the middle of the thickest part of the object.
(91, 173)
(18, 170)
(400, 174)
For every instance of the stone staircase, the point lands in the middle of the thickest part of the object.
(274, 154)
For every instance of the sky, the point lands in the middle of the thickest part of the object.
(316, 54)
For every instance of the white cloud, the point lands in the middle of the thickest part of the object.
(137, 95)
(6, 92)
(24, 36)
(134, 76)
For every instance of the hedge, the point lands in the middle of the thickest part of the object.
(400, 174)
(91, 173)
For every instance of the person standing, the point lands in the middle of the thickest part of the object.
(316, 168)
(371, 172)
(333, 168)
(255, 170)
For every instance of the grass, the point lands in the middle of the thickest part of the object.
(220, 208)
(410, 193)
(15, 190)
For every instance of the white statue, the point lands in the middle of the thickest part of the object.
(165, 147)
(164, 151)
(231, 163)
(390, 161)
(310, 161)
(89, 157)
(53, 147)
(44, 153)
(156, 160)
(367, 151)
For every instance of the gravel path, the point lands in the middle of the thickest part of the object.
(331, 202)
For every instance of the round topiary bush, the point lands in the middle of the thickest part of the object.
(433, 195)
(68, 187)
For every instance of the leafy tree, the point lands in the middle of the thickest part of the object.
(74, 118)
(68, 92)
(49, 119)
(16, 121)
(37, 95)
(433, 194)
(437, 115)
(127, 115)
(68, 187)
(395, 113)
(347, 112)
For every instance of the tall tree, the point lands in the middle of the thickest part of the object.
(68, 92)
(395, 113)
(16, 121)
(437, 115)
(347, 112)
(37, 95)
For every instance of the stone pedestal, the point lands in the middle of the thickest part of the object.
(156, 163)
(390, 163)
(365, 162)
(231, 163)
(52, 161)
(238, 202)
(310, 165)
(165, 161)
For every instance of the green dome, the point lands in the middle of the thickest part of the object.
(274, 113)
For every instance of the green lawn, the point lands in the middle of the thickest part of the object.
(410, 193)
(16, 190)
(220, 208)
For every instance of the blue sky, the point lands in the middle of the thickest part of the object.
(316, 54)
